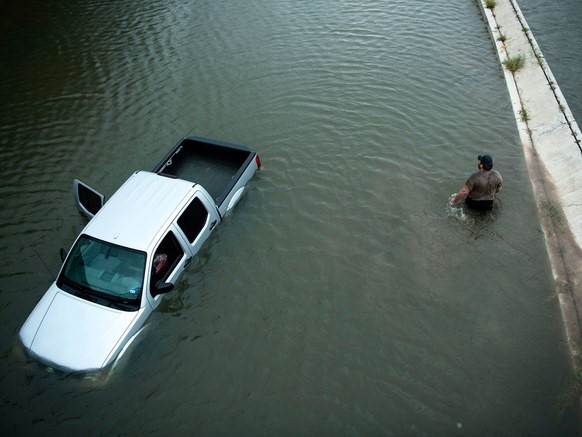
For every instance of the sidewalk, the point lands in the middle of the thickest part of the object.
(551, 142)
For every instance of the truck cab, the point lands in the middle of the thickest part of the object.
(129, 255)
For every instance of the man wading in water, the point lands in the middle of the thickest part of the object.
(480, 189)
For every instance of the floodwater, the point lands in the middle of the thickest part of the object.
(343, 296)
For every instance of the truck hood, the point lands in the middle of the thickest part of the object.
(73, 334)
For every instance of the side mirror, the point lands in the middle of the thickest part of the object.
(164, 288)
(63, 253)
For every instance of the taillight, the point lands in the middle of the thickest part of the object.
(258, 161)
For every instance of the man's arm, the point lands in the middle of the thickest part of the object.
(463, 192)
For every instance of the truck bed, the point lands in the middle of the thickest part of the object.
(213, 164)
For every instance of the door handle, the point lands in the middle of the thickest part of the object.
(187, 262)
(212, 225)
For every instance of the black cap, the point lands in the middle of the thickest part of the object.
(485, 159)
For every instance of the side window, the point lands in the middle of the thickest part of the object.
(192, 221)
(166, 257)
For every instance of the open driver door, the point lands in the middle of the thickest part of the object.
(88, 201)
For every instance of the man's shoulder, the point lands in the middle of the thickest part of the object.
(473, 179)
(475, 176)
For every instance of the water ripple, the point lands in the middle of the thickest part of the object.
(340, 294)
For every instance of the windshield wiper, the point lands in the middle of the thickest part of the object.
(84, 292)
(76, 289)
(122, 304)
(118, 299)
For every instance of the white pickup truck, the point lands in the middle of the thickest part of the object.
(132, 252)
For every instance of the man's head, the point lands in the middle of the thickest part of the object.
(486, 161)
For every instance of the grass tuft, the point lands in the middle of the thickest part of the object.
(490, 4)
(553, 211)
(514, 63)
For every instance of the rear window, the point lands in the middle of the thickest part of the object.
(193, 219)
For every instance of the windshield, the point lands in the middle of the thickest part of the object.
(106, 271)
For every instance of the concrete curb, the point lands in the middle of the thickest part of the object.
(551, 141)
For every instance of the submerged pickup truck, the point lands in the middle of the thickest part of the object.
(132, 252)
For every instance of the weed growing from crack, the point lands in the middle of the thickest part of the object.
(514, 63)
(552, 210)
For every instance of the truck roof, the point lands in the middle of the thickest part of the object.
(143, 206)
